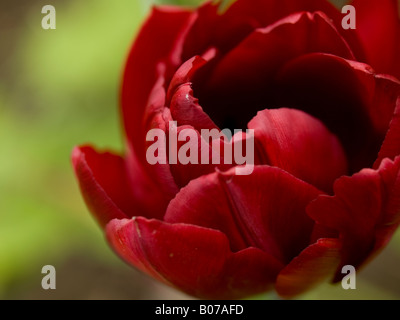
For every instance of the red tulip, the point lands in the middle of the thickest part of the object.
(325, 108)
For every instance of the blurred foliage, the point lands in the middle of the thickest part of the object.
(59, 89)
(63, 91)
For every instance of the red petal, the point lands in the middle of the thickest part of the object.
(104, 185)
(226, 30)
(352, 101)
(114, 187)
(153, 190)
(155, 43)
(243, 79)
(193, 259)
(157, 116)
(365, 210)
(268, 48)
(184, 107)
(301, 145)
(314, 265)
(248, 272)
(183, 173)
(221, 153)
(184, 74)
(391, 146)
(265, 209)
(203, 203)
(378, 27)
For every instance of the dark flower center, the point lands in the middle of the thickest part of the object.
(324, 89)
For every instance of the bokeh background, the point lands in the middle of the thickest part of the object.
(59, 88)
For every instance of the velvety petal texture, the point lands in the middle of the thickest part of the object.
(314, 265)
(184, 107)
(378, 27)
(225, 31)
(194, 259)
(363, 206)
(300, 144)
(100, 176)
(241, 91)
(321, 105)
(154, 44)
(354, 102)
(265, 209)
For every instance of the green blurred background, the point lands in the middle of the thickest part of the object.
(59, 88)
